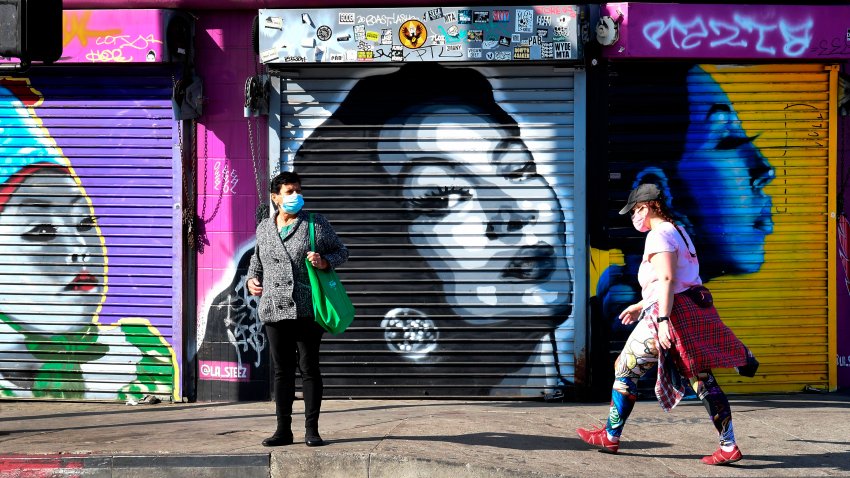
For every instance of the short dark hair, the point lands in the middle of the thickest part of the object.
(285, 177)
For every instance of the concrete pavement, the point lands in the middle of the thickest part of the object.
(780, 435)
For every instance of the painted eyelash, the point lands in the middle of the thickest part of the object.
(442, 192)
(527, 170)
(734, 142)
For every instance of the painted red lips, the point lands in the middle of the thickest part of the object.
(84, 282)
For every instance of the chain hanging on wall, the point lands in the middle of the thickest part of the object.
(201, 220)
(256, 104)
(195, 223)
(188, 211)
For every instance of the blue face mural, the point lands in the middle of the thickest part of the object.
(710, 171)
(724, 175)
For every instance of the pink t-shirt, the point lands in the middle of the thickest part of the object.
(665, 238)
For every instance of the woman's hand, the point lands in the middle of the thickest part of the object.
(318, 261)
(254, 286)
(631, 313)
(664, 339)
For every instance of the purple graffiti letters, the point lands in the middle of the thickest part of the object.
(836, 47)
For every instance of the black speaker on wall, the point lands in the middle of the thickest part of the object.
(31, 29)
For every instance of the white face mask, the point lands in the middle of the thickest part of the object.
(639, 219)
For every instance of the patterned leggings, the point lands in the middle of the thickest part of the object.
(640, 355)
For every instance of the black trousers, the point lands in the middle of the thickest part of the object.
(292, 341)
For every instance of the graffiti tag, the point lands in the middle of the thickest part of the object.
(225, 178)
(741, 32)
(120, 48)
(392, 19)
(244, 329)
(837, 47)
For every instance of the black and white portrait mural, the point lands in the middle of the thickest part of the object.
(452, 187)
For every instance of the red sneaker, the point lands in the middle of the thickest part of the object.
(598, 437)
(721, 457)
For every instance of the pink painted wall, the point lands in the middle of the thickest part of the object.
(225, 59)
(111, 36)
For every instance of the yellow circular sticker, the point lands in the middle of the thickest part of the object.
(412, 34)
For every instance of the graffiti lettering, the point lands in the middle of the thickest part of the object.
(426, 52)
(791, 145)
(838, 46)
(247, 330)
(742, 32)
(225, 179)
(392, 19)
(119, 44)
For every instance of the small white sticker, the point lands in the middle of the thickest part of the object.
(268, 55)
(274, 22)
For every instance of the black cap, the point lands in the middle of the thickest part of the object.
(642, 193)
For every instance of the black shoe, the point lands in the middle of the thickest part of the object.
(312, 438)
(278, 440)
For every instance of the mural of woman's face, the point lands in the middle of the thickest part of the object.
(725, 174)
(485, 221)
(55, 259)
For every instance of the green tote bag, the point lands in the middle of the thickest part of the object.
(331, 305)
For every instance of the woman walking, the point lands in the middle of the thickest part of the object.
(278, 274)
(678, 329)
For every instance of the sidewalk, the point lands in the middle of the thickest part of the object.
(780, 435)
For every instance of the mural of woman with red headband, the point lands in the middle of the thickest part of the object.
(54, 279)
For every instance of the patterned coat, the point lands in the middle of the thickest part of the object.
(280, 268)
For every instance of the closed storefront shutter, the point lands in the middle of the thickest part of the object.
(90, 236)
(746, 154)
(453, 188)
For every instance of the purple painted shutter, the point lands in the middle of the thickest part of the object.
(93, 293)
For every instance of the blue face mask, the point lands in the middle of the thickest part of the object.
(292, 203)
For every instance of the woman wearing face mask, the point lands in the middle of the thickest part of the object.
(678, 329)
(278, 274)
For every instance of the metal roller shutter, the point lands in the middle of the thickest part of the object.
(90, 235)
(459, 217)
(755, 183)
